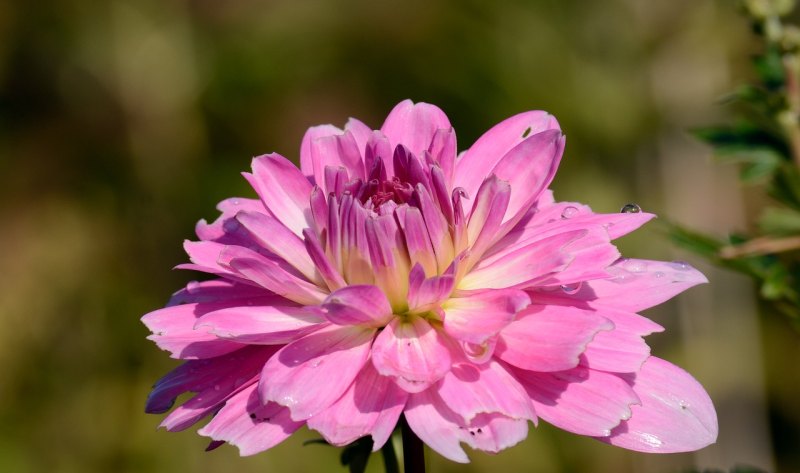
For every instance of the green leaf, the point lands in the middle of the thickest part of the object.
(776, 283)
(769, 67)
(780, 221)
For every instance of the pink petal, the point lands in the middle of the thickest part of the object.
(676, 414)
(412, 352)
(332, 277)
(245, 423)
(443, 152)
(283, 189)
(437, 226)
(469, 390)
(270, 275)
(524, 266)
(443, 430)
(477, 162)
(487, 214)
(260, 325)
(311, 373)
(580, 400)
(278, 239)
(357, 305)
(216, 230)
(414, 125)
(622, 350)
(370, 406)
(213, 379)
(389, 259)
(417, 239)
(425, 294)
(336, 151)
(635, 285)
(306, 160)
(529, 168)
(549, 338)
(477, 317)
(215, 290)
(173, 328)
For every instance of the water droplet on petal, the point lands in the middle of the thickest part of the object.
(235, 202)
(569, 212)
(630, 209)
(681, 265)
(571, 288)
(230, 225)
(635, 266)
(658, 274)
(683, 405)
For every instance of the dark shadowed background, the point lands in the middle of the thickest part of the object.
(123, 122)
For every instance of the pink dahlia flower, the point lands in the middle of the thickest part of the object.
(390, 276)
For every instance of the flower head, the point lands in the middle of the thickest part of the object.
(389, 276)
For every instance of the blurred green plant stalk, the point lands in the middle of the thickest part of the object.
(764, 140)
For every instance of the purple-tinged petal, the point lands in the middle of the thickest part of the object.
(478, 161)
(524, 266)
(319, 211)
(634, 285)
(438, 230)
(370, 406)
(477, 317)
(379, 148)
(676, 414)
(470, 390)
(306, 159)
(529, 168)
(260, 325)
(580, 400)
(357, 305)
(443, 151)
(361, 133)
(335, 151)
(355, 250)
(417, 240)
(216, 230)
(333, 279)
(278, 239)
(248, 425)
(268, 274)
(311, 373)
(283, 189)
(214, 380)
(414, 125)
(389, 259)
(412, 352)
(335, 178)
(486, 215)
(215, 290)
(441, 192)
(427, 293)
(590, 256)
(547, 338)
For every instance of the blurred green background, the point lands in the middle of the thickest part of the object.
(123, 122)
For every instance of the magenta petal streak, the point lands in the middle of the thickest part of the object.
(389, 275)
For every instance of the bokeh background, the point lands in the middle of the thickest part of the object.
(123, 122)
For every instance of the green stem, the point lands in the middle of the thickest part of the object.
(413, 451)
(390, 464)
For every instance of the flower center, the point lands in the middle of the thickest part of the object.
(380, 192)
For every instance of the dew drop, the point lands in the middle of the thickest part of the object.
(569, 212)
(635, 266)
(630, 209)
(683, 405)
(571, 288)
(681, 265)
(658, 274)
(230, 225)
(235, 202)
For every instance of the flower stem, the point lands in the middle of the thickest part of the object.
(413, 451)
(390, 464)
